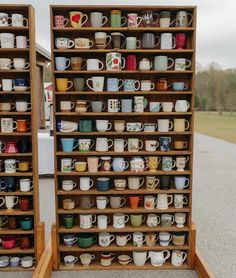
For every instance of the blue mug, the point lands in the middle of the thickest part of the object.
(103, 184)
(21, 82)
(69, 144)
(10, 184)
(15, 261)
(126, 105)
(165, 144)
(26, 223)
(114, 84)
(179, 86)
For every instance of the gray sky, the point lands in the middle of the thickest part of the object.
(216, 37)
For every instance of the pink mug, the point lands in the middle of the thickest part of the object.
(60, 21)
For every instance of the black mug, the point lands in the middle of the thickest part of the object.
(10, 184)
(165, 182)
(2, 184)
(24, 146)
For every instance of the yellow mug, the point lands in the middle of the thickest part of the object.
(180, 145)
(181, 125)
(25, 166)
(63, 84)
(76, 19)
(80, 166)
(153, 162)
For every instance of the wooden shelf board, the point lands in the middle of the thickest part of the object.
(16, 250)
(15, 193)
(126, 153)
(121, 210)
(14, 28)
(114, 247)
(123, 192)
(15, 231)
(127, 229)
(124, 29)
(127, 93)
(15, 154)
(125, 173)
(16, 269)
(15, 113)
(15, 212)
(109, 133)
(17, 174)
(122, 72)
(14, 50)
(170, 51)
(123, 114)
(15, 93)
(14, 71)
(16, 134)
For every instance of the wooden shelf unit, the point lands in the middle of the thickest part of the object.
(32, 156)
(170, 95)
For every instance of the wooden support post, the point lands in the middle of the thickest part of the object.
(55, 259)
(40, 240)
(192, 244)
(44, 267)
(201, 266)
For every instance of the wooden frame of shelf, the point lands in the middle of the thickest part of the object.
(37, 232)
(186, 76)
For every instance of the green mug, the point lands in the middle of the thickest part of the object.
(163, 63)
(137, 220)
(85, 240)
(26, 223)
(3, 221)
(85, 125)
(68, 221)
(79, 83)
(116, 19)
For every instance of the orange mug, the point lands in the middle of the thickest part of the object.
(25, 166)
(23, 126)
(133, 201)
(162, 84)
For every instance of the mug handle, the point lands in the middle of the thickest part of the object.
(94, 219)
(71, 44)
(188, 63)
(112, 238)
(3, 146)
(139, 20)
(87, 83)
(104, 20)
(67, 63)
(142, 182)
(83, 65)
(122, 45)
(109, 40)
(127, 165)
(27, 65)
(123, 62)
(9, 23)
(152, 86)
(90, 43)
(171, 64)
(70, 83)
(187, 125)
(172, 21)
(187, 159)
(92, 144)
(155, 21)
(74, 185)
(17, 200)
(144, 219)
(75, 260)
(102, 65)
(111, 143)
(158, 41)
(92, 183)
(127, 218)
(188, 182)
(125, 143)
(125, 20)
(138, 85)
(184, 256)
(188, 106)
(171, 199)
(173, 219)
(77, 144)
(157, 144)
(66, 21)
(121, 83)
(3, 201)
(72, 105)
(157, 181)
(26, 21)
(185, 200)
(74, 241)
(171, 125)
(173, 163)
(167, 254)
(16, 125)
(174, 42)
(128, 238)
(28, 106)
(138, 43)
(124, 202)
(185, 87)
(109, 128)
(191, 19)
(141, 144)
(86, 19)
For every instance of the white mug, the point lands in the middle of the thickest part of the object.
(138, 239)
(165, 238)
(98, 19)
(102, 221)
(86, 259)
(180, 219)
(134, 144)
(119, 145)
(102, 202)
(163, 202)
(19, 20)
(153, 220)
(68, 185)
(140, 258)
(70, 260)
(7, 85)
(105, 239)
(97, 83)
(85, 183)
(5, 63)
(7, 40)
(135, 183)
(8, 125)
(11, 165)
(94, 64)
(167, 41)
(167, 106)
(181, 163)
(26, 185)
(83, 43)
(180, 200)
(67, 165)
(119, 220)
(147, 85)
(103, 125)
(182, 105)
(158, 258)
(11, 201)
(87, 220)
(66, 105)
(181, 182)
(103, 144)
(5, 19)
(20, 64)
(164, 125)
(122, 240)
(113, 105)
(22, 42)
(178, 257)
(22, 106)
(149, 202)
(151, 145)
(182, 64)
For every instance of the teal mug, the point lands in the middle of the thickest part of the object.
(68, 221)
(86, 125)
(26, 223)
(69, 144)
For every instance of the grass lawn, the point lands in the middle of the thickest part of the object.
(215, 125)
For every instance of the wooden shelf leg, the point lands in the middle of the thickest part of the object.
(55, 258)
(40, 240)
(192, 244)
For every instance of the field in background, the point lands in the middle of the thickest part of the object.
(215, 125)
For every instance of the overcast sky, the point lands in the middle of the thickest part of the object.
(216, 32)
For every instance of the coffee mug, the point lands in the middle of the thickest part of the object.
(66, 105)
(86, 220)
(62, 63)
(182, 19)
(163, 201)
(83, 43)
(93, 164)
(102, 222)
(86, 259)
(103, 125)
(135, 183)
(94, 64)
(119, 220)
(181, 125)
(178, 257)
(63, 84)
(182, 64)
(114, 61)
(98, 19)
(60, 21)
(182, 105)
(64, 43)
(102, 202)
(181, 182)
(114, 84)
(137, 220)
(97, 83)
(68, 185)
(152, 182)
(168, 163)
(180, 200)
(153, 220)
(164, 125)
(105, 239)
(77, 63)
(102, 40)
(77, 19)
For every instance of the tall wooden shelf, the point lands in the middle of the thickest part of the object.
(32, 156)
(186, 76)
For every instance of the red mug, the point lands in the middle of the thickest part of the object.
(25, 242)
(24, 204)
(181, 40)
(131, 63)
(133, 201)
(8, 242)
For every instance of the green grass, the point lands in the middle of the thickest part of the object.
(215, 125)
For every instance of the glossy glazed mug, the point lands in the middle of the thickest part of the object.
(83, 43)
(62, 63)
(60, 21)
(164, 200)
(68, 185)
(77, 19)
(181, 125)
(102, 40)
(63, 84)
(152, 182)
(178, 257)
(114, 61)
(153, 220)
(98, 19)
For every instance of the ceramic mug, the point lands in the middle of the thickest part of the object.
(94, 64)
(70, 260)
(8, 125)
(133, 20)
(119, 220)
(158, 258)
(117, 202)
(102, 202)
(181, 163)
(114, 84)
(167, 220)
(182, 19)
(85, 183)
(102, 40)
(147, 85)
(165, 238)
(164, 125)
(182, 105)
(68, 185)
(86, 220)
(97, 83)
(64, 43)
(182, 64)
(132, 43)
(164, 200)
(107, 258)
(180, 200)
(180, 219)
(151, 145)
(22, 106)
(153, 220)
(103, 144)
(168, 41)
(163, 63)
(116, 19)
(178, 257)
(137, 220)
(19, 20)
(119, 145)
(26, 185)
(152, 182)
(114, 61)
(140, 258)
(103, 125)
(98, 19)
(5, 20)
(181, 182)
(135, 183)
(7, 40)
(93, 164)
(149, 202)
(11, 165)
(151, 239)
(134, 144)
(63, 84)
(168, 163)
(83, 43)
(102, 222)
(60, 21)
(122, 240)
(165, 143)
(105, 239)
(181, 125)
(86, 259)
(138, 239)
(131, 85)
(77, 63)
(77, 19)
(98, 106)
